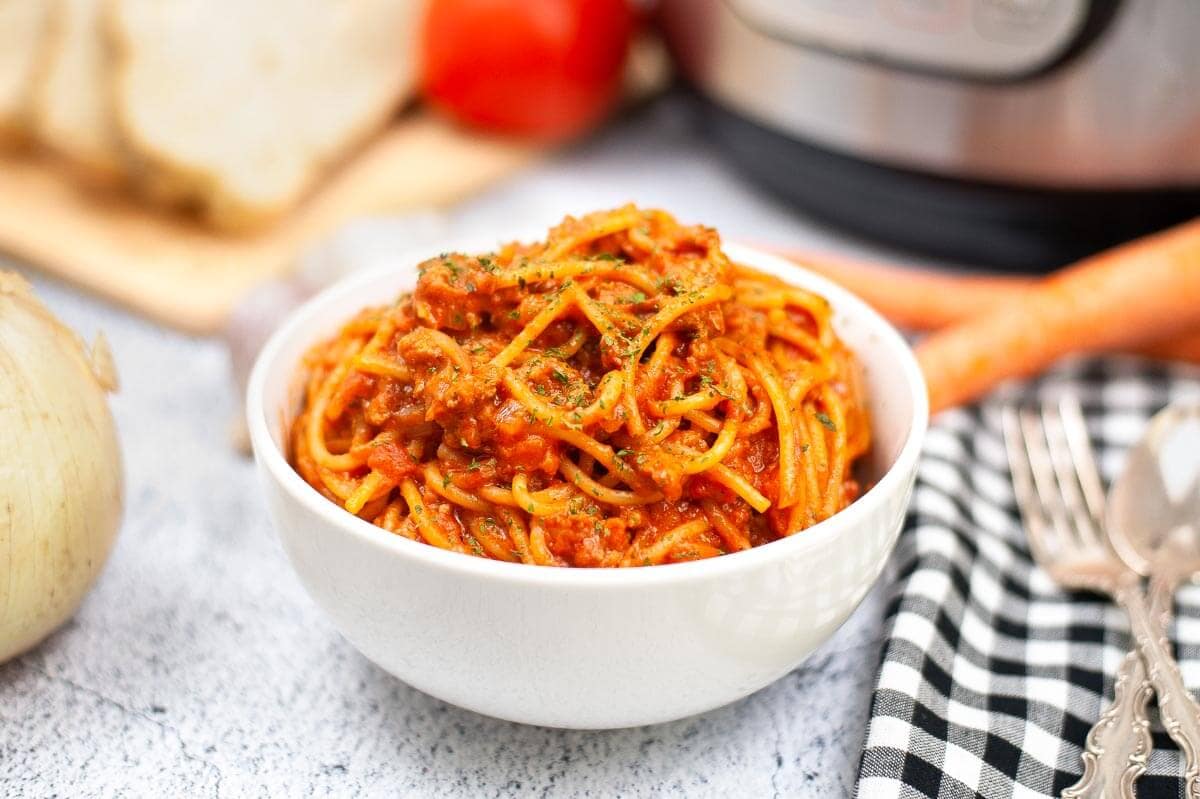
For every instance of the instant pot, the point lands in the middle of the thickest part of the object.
(1013, 133)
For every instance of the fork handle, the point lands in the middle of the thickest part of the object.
(1176, 706)
(1118, 745)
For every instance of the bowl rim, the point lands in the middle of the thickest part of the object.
(273, 462)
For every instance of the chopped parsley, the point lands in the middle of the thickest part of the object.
(826, 422)
(560, 377)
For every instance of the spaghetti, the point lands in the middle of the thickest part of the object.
(618, 395)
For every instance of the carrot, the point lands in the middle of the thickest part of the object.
(1184, 347)
(917, 299)
(1146, 290)
(920, 299)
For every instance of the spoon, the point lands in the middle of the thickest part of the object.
(1153, 523)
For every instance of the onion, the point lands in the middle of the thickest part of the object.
(60, 468)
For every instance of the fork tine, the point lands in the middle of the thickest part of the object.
(1081, 453)
(1069, 472)
(1036, 525)
(1045, 481)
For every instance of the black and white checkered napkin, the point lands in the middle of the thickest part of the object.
(992, 675)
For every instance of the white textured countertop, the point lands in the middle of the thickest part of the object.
(198, 666)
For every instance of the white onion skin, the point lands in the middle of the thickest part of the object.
(60, 469)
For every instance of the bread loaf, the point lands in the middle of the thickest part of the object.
(22, 37)
(238, 107)
(72, 96)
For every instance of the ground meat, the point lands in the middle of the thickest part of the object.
(454, 292)
(392, 461)
(582, 539)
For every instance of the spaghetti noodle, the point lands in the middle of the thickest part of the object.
(618, 395)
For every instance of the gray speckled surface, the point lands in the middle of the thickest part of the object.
(199, 667)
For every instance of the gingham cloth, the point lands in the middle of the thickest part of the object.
(991, 675)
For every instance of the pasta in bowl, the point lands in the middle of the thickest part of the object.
(735, 595)
(622, 394)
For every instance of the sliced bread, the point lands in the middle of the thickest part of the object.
(22, 35)
(72, 104)
(239, 106)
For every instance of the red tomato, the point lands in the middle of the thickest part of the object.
(547, 69)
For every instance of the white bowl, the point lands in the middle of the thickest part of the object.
(588, 648)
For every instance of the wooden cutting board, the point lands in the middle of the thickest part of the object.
(178, 272)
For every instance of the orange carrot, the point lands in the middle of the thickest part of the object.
(919, 299)
(1184, 347)
(1146, 290)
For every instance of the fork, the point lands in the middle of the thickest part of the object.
(1057, 489)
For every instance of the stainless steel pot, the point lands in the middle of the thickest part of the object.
(1057, 100)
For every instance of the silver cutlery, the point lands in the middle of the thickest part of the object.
(1059, 494)
(1152, 516)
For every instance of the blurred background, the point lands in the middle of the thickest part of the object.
(171, 158)
(181, 174)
